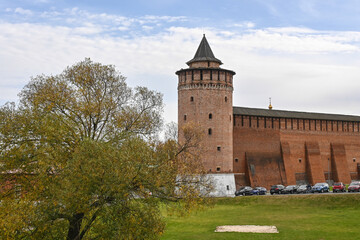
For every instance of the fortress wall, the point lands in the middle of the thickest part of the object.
(305, 145)
(250, 138)
(264, 169)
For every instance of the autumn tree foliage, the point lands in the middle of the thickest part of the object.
(80, 160)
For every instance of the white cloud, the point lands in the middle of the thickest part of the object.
(299, 40)
(23, 11)
(122, 28)
(147, 28)
(292, 30)
(152, 18)
(78, 16)
(245, 24)
(300, 68)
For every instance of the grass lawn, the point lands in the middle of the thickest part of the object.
(313, 216)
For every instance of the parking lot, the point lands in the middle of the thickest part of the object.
(318, 188)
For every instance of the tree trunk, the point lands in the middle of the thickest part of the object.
(75, 226)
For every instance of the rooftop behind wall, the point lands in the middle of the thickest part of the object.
(293, 114)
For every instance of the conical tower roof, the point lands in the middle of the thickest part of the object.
(204, 53)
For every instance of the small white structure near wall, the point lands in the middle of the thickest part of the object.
(224, 185)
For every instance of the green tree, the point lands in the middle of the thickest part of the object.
(80, 159)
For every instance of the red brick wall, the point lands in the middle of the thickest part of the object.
(292, 138)
(339, 163)
(265, 169)
(253, 139)
(289, 163)
(314, 167)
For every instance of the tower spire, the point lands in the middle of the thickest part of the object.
(204, 53)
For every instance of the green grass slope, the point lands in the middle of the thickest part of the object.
(315, 216)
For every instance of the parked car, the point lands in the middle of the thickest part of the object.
(354, 187)
(291, 189)
(277, 189)
(320, 188)
(244, 191)
(339, 187)
(259, 191)
(303, 189)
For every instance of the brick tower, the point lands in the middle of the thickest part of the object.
(205, 97)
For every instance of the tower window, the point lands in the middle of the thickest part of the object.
(218, 169)
(236, 160)
(201, 75)
(299, 160)
(210, 74)
(208, 64)
(209, 131)
(218, 75)
(185, 117)
(354, 159)
(219, 149)
(225, 99)
(210, 115)
(191, 99)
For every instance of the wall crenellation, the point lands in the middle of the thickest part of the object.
(296, 124)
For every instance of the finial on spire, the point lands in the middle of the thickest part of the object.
(270, 106)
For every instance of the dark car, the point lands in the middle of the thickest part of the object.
(339, 187)
(243, 191)
(320, 188)
(303, 189)
(277, 189)
(354, 187)
(259, 191)
(291, 189)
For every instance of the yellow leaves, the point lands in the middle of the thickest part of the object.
(89, 140)
(14, 217)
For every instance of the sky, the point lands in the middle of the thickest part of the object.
(304, 54)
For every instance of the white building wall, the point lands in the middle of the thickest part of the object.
(224, 185)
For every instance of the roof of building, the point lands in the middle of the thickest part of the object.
(204, 53)
(292, 114)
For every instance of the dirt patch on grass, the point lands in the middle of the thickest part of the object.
(247, 229)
